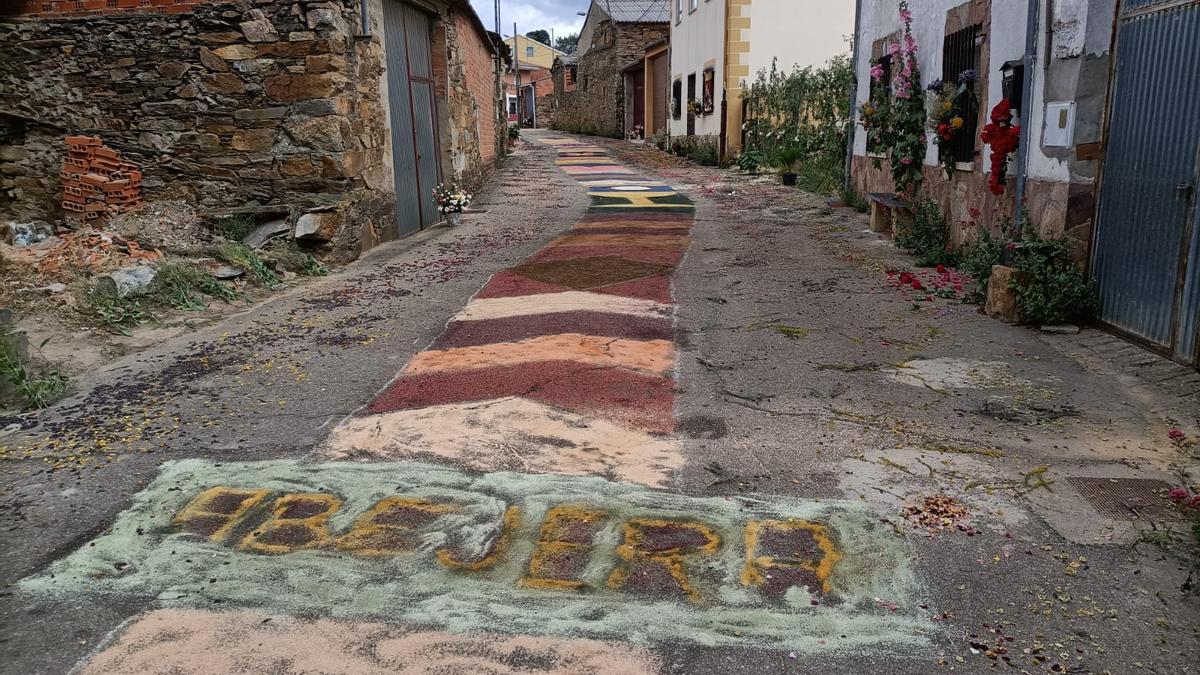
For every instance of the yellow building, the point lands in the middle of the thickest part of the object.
(532, 51)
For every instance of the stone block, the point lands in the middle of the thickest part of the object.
(1001, 301)
(172, 69)
(253, 140)
(259, 30)
(210, 60)
(319, 133)
(255, 67)
(221, 38)
(12, 153)
(222, 83)
(322, 226)
(256, 114)
(881, 218)
(297, 166)
(236, 52)
(302, 87)
(343, 164)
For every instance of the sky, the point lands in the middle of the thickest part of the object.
(558, 15)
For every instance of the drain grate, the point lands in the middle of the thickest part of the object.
(1124, 498)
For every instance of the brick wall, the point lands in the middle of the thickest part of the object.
(69, 8)
(480, 82)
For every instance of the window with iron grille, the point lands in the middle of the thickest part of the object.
(960, 54)
(880, 91)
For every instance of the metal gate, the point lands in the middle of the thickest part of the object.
(1146, 258)
(413, 119)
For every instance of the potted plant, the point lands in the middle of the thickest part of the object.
(786, 158)
(694, 108)
(450, 202)
(514, 134)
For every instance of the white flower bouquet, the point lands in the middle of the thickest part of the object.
(451, 199)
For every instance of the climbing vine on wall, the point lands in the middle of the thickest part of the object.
(896, 119)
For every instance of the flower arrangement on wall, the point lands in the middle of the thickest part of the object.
(1003, 136)
(947, 115)
(898, 120)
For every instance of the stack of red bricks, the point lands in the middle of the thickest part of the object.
(97, 182)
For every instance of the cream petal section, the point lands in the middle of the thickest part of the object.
(190, 642)
(571, 301)
(651, 356)
(508, 434)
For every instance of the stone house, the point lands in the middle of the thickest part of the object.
(717, 45)
(1109, 153)
(266, 105)
(615, 36)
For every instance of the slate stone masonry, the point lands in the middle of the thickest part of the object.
(223, 105)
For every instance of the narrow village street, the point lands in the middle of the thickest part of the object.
(634, 415)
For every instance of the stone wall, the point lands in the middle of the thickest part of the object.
(597, 106)
(243, 104)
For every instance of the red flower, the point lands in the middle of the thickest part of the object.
(916, 284)
(941, 269)
(1176, 435)
(906, 278)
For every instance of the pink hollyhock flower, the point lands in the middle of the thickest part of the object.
(894, 48)
(1176, 434)
(877, 72)
(1178, 495)
(906, 15)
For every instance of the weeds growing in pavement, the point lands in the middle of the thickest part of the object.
(295, 259)
(977, 261)
(242, 256)
(37, 389)
(235, 227)
(926, 237)
(180, 284)
(855, 200)
(115, 314)
(1054, 289)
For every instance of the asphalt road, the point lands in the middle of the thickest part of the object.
(689, 431)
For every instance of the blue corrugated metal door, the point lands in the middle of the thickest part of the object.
(1147, 247)
(412, 109)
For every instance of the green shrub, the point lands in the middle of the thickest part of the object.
(295, 259)
(750, 160)
(235, 227)
(977, 261)
(179, 284)
(1054, 289)
(855, 200)
(705, 152)
(242, 256)
(115, 314)
(927, 237)
(37, 389)
(821, 175)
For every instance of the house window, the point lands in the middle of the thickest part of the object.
(707, 95)
(678, 11)
(695, 4)
(512, 105)
(529, 50)
(677, 99)
(960, 54)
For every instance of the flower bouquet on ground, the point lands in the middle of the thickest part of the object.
(451, 201)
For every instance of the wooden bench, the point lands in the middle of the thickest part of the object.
(888, 210)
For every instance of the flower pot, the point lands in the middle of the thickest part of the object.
(454, 218)
(789, 178)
